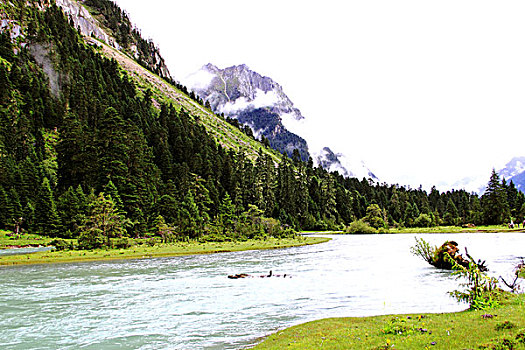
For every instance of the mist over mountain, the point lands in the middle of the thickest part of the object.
(261, 103)
(513, 171)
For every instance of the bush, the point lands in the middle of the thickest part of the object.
(481, 293)
(122, 243)
(423, 220)
(61, 244)
(360, 226)
(92, 239)
(424, 250)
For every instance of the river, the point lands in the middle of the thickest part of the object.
(189, 303)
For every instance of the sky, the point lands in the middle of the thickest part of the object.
(424, 92)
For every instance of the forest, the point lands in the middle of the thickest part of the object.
(85, 153)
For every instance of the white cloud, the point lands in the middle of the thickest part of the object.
(199, 80)
(262, 99)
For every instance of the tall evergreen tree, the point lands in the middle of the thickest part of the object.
(46, 217)
(494, 201)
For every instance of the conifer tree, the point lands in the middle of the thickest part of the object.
(5, 209)
(46, 217)
(494, 201)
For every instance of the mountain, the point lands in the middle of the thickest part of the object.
(514, 171)
(261, 103)
(254, 100)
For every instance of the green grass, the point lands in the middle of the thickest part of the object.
(22, 240)
(144, 251)
(461, 330)
(455, 229)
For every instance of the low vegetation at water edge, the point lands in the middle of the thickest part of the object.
(143, 248)
(497, 328)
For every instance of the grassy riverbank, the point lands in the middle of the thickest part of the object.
(456, 229)
(143, 251)
(461, 330)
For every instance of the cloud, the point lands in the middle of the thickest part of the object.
(262, 99)
(199, 80)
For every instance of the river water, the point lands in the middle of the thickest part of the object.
(189, 303)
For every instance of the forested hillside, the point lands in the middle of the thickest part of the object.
(87, 148)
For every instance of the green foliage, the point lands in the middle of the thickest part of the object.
(375, 217)
(494, 201)
(399, 326)
(502, 343)
(423, 220)
(360, 226)
(424, 250)
(91, 239)
(121, 243)
(61, 244)
(505, 325)
(481, 290)
(103, 222)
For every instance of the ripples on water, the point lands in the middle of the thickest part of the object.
(189, 303)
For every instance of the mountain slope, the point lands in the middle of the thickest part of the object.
(514, 171)
(261, 103)
(254, 100)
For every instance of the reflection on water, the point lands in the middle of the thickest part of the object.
(188, 302)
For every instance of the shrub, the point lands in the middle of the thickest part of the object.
(423, 220)
(424, 250)
(481, 293)
(520, 337)
(92, 239)
(61, 244)
(122, 243)
(398, 326)
(500, 344)
(505, 325)
(360, 226)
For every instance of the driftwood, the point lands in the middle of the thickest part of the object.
(514, 286)
(245, 275)
(450, 251)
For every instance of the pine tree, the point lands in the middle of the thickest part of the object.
(104, 220)
(5, 209)
(226, 214)
(46, 217)
(494, 201)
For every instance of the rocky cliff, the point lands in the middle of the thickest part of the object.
(257, 101)
(122, 36)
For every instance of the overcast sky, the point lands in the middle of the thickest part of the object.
(424, 92)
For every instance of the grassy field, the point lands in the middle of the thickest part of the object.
(22, 240)
(145, 251)
(462, 330)
(456, 229)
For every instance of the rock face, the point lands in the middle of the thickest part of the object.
(254, 100)
(515, 171)
(83, 20)
(235, 88)
(344, 166)
(261, 103)
(91, 27)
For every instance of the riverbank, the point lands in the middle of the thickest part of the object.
(456, 229)
(489, 329)
(145, 251)
(438, 229)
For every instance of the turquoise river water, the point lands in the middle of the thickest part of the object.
(189, 303)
